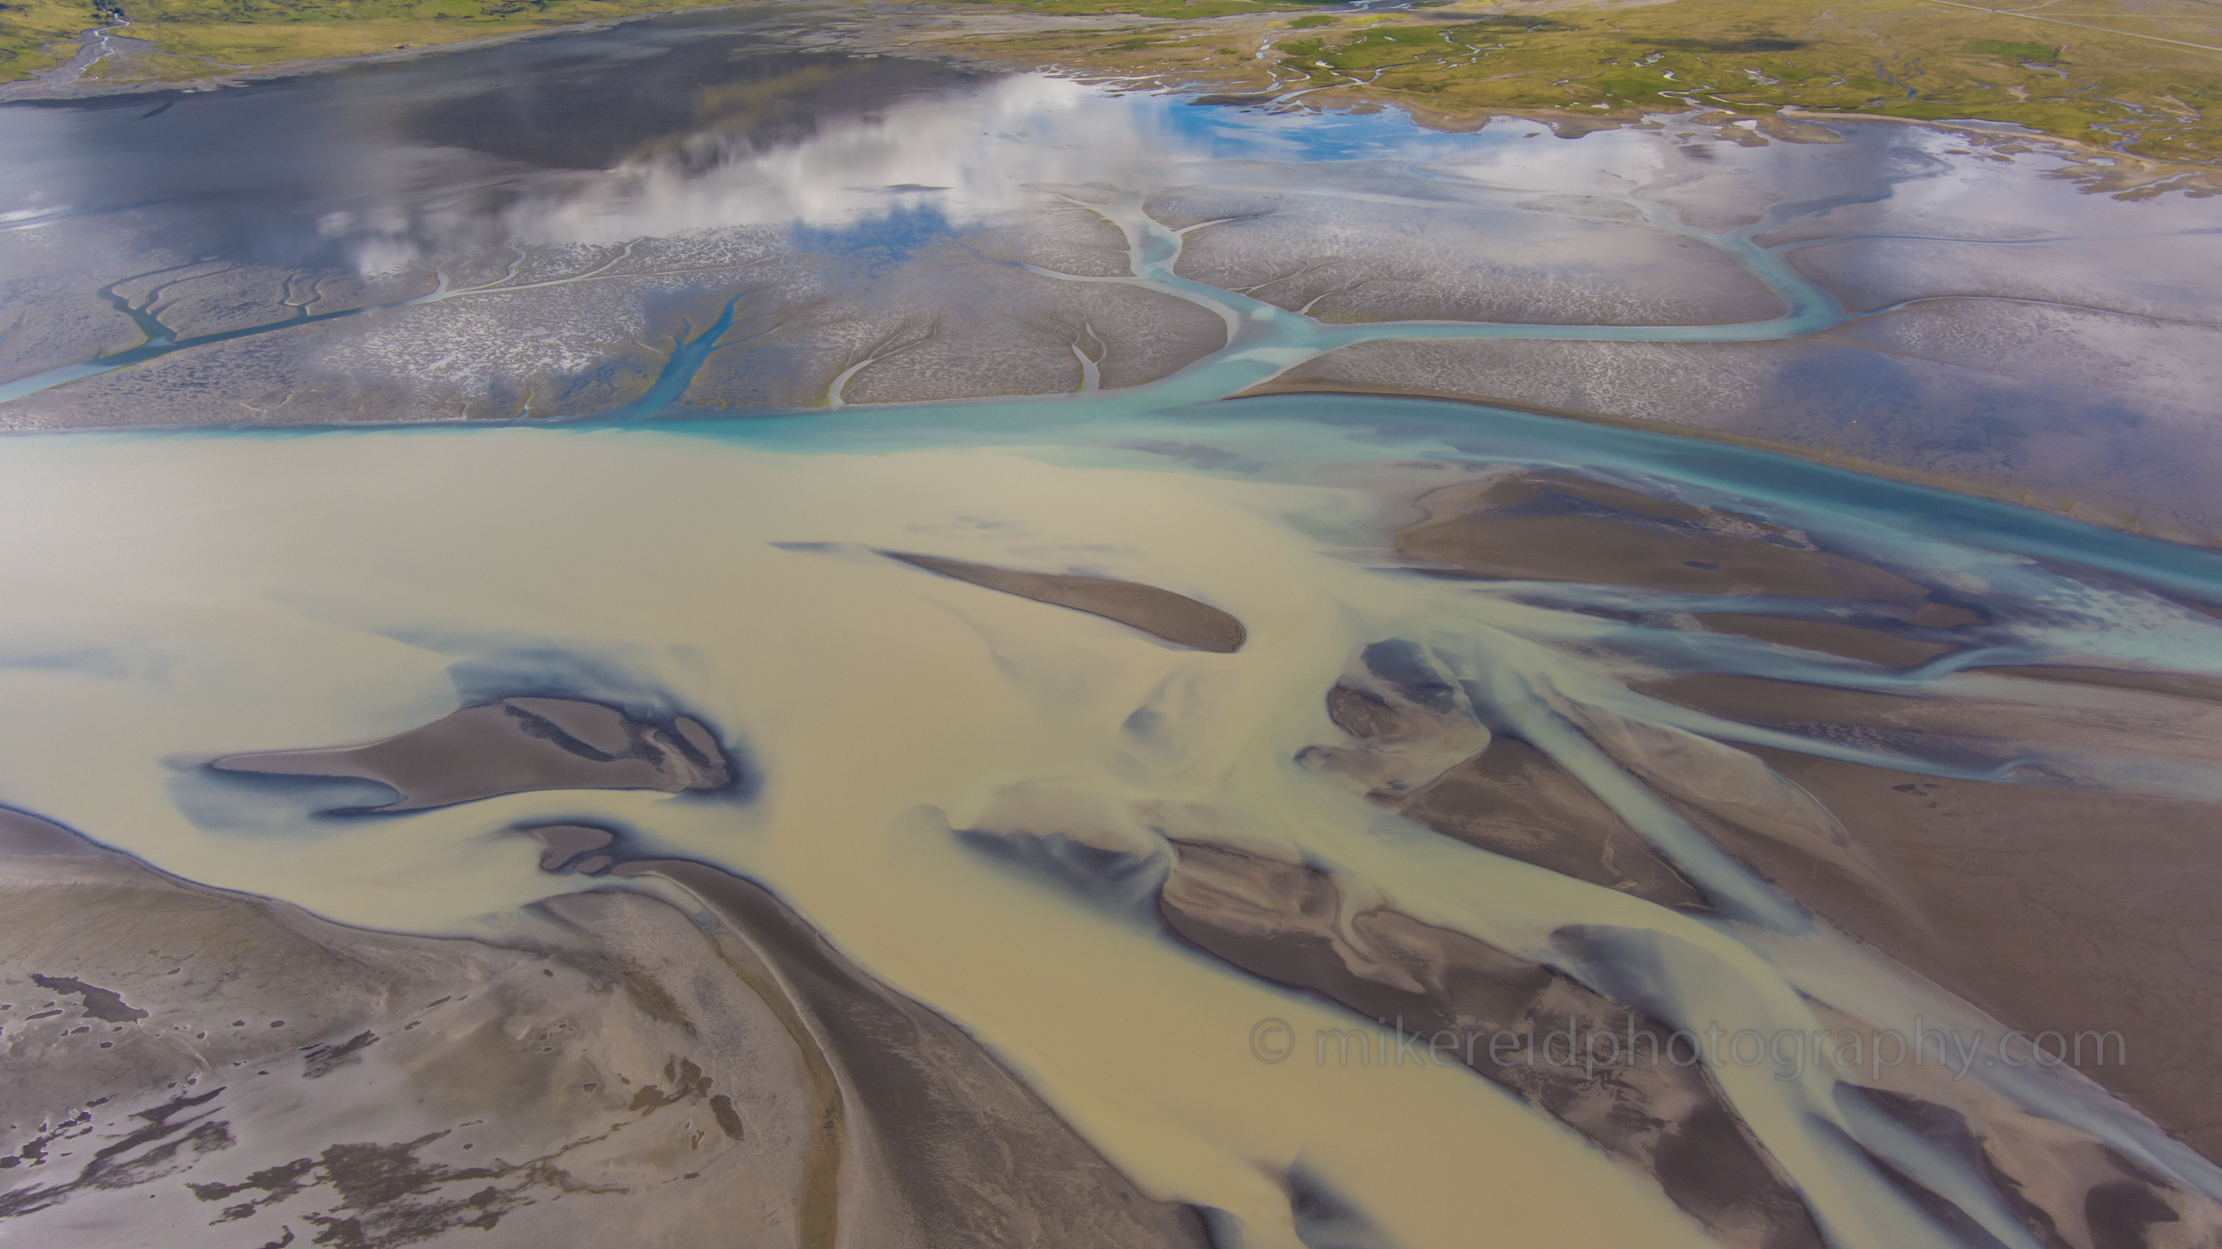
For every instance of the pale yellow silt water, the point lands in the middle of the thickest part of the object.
(176, 599)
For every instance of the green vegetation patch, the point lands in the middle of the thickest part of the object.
(1903, 58)
(2043, 53)
(1899, 58)
(1765, 43)
(200, 38)
(1185, 9)
(39, 34)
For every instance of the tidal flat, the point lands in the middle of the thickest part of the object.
(702, 631)
(525, 235)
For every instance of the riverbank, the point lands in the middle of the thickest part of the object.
(2142, 86)
(2003, 492)
(2133, 90)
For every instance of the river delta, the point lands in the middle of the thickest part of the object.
(710, 630)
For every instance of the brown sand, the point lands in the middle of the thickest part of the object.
(514, 746)
(2032, 941)
(563, 844)
(794, 1091)
(240, 1032)
(1303, 382)
(1160, 613)
(2050, 906)
(23, 835)
(1278, 920)
(1955, 723)
(2176, 684)
(1829, 637)
(1543, 527)
(2053, 908)
(976, 1158)
(1408, 734)
(1549, 527)
(1516, 801)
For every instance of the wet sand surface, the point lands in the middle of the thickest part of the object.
(1513, 800)
(515, 746)
(1159, 613)
(310, 1080)
(2002, 724)
(1280, 921)
(1553, 529)
(2179, 684)
(1829, 637)
(2053, 907)
(900, 1131)
(974, 1156)
(572, 846)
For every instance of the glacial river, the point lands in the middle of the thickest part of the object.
(180, 595)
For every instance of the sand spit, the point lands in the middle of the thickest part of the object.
(1160, 613)
(514, 746)
(1537, 526)
(572, 847)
